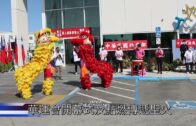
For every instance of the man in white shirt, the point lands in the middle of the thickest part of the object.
(56, 53)
(54, 56)
(119, 59)
(55, 63)
(189, 60)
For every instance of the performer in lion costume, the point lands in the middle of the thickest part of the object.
(85, 51)
(25, 75)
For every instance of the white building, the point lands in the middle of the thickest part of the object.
(117, 20)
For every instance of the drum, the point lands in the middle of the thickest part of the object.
(136, 66)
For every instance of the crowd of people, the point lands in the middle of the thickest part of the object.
(188, 56)
(139, 54)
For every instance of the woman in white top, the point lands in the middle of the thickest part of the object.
(119, 59)
(103, 54)
(58, 66)
(76, 59)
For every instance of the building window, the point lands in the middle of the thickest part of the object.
(194, 36)
(73, 18)
(120, 37)
(92, 17)
(54, 19)
(185, 36)
(72, 3)
(96, 45)
(140, 36)
(91, 2)
(68, 51)
(166, 39)
(52, 4)
(73, 14)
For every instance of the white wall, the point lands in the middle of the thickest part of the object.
(136, 20)
(112, 16)
(20, 24)
(163, 13)
(140, 16)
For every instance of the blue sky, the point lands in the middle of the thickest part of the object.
(34, 15)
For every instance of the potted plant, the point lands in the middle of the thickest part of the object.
(151, 66)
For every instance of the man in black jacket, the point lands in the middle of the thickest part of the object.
(183, 49)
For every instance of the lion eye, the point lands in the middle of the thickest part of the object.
(47, 33)
(84, 36)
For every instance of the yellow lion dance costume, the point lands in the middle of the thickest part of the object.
(26, 74)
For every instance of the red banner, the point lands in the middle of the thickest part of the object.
(125, 45)
(68, 33)
(189, 42)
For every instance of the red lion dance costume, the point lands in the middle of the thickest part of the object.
(85, 51)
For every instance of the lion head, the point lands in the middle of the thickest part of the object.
(83, 38)
(45, 36)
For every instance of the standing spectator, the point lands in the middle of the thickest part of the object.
(59, 64)
(140, 53)
(183, 49)
(159, 56)
(56, 53)
(103, 54)
(76, 59)
(54, 62)
(54, 57)
(189, 60)
(29, 56)
(119, 59)
(194, 58)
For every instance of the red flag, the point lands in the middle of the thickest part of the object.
(0, 57)
(9, 57)
(23, 55)
(16, 52)
(0, 51)
(3, 52)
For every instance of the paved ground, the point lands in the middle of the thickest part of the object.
(121, 91)
(157, 92)
(177, 119)
(8, 89)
